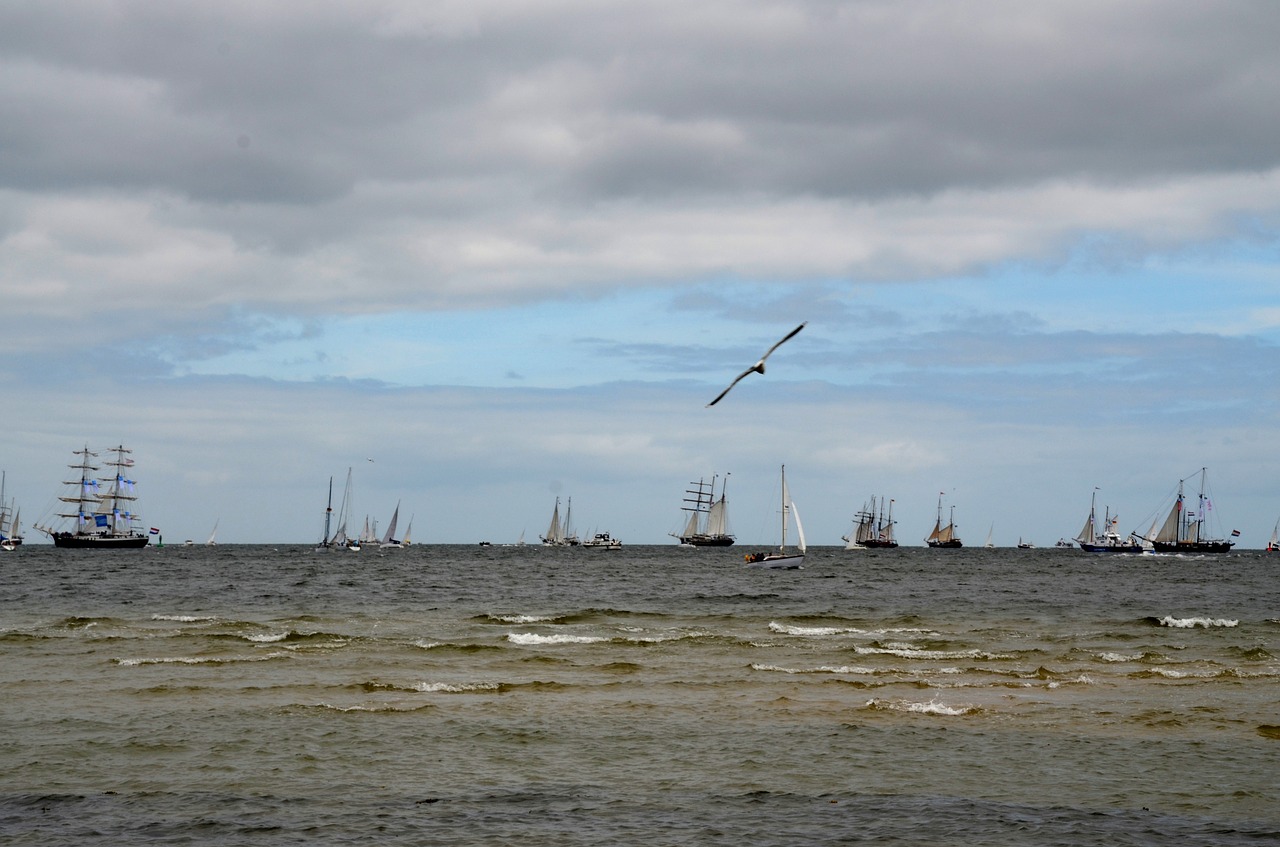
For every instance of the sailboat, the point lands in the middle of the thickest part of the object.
(708, 524)
(873, 528)
(1106, 540)
(103, 518)
(944, 536)
(1273, 546)
(389, 541)
(783, 558)
(561, 534)
(326, 543)
(989, 544)
(1183, 529)
(10, 537)
(340, 539)
(213, 535)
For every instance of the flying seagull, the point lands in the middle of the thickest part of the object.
(758, 367)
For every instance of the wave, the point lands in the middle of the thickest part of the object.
(906, 651)
(199, 660)
(824, 669)
(184, 618)
(528, 639)
(1191, 623)
(932, 707)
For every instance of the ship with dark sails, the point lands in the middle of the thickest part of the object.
(944, 537)
(100, 512)
(708, 523)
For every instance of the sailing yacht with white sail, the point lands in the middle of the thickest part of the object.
(1273, 546)
(783, 558)
(389, 541)
(10, 534)
(708, 523)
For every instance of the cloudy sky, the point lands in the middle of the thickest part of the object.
(491, 252)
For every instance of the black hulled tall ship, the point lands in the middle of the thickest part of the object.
(99, 515)
(1185, 529)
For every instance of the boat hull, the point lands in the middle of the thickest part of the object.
(99, 542)
(1110, 548)
(707, 540)
(946, 545)
(775, 561)
(1193, 546)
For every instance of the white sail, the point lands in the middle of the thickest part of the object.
(391, 527)
(717, 518)
(799, 528)
(213, 535)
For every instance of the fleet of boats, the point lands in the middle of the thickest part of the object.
(100, 515)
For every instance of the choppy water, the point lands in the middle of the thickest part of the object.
(650, 696)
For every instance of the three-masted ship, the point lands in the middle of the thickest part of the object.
(708, 523)
(873, 528)
(100, 508)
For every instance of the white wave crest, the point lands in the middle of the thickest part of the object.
(523, 619)
(787, 629)
(932, 707)
(196, 660)
(266, 637)
(454, 688)
(529, 638)
(1119, 657)
(1189, 623)
(184, 618)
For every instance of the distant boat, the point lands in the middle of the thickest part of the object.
(561, 534)
(783, 559)
(325, 542)
(873, 528)
(988, 544)
(389, 541)
(1104, 539)
(708, 524)
(103, 518)
(10, 534)
(213, 535)
(603, 541)
(1273, 546)
(1025, 545)
(944, 536)
(1183, 529)
(1063, 544)
(339, 540)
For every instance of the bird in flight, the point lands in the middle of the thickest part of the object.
(758, 367)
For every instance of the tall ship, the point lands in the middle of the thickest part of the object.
(873, 527)
(1185, 528)
(561, 533)
(10, 527)
(1104, 539)
(99, 511)
(944, 536)
(708, 523)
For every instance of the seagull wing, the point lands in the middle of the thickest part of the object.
(740, 377)
(784, 340)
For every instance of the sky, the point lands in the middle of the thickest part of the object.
(492, 253)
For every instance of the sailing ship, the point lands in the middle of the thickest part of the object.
(339, 540)
(783, 558)
(1104, 539)
(561, 534)
(103, 518)
(944, 536)
(10, 534)
(1183, 530)
(708, 523)
(1273, 546)
(873, 527)
(389, 541)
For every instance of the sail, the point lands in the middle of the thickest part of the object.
(947, 533)
(554, 535)
(691, 528)
(213, 535)
(1169, 531)
(391, 528)
(1087, 531)
(799, 526)
(936, 535)
(718, 518)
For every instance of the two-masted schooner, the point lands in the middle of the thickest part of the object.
(944, 536)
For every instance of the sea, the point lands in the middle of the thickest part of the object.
(653, 695)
